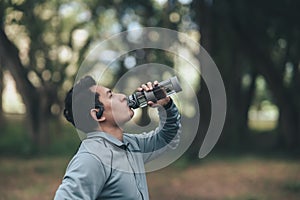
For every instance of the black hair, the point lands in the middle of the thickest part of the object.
(78, 103)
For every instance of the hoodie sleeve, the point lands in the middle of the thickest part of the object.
(166, 136)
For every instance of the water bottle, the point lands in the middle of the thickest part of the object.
(160, 91)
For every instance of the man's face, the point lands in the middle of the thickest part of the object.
(116, 109)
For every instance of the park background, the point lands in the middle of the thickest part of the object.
(255, 44)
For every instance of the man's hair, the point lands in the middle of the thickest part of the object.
(78, 103)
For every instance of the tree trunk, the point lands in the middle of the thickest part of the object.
(203, 19)
(288, 126)
(285, 98)
(205, 113)
(38, 120)
(247, 100)
(34, 100)
(2, 122)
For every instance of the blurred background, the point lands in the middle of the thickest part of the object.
(255, 44)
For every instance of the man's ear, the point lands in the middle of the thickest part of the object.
(94, 112)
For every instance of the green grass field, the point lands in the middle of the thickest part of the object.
(233, 178)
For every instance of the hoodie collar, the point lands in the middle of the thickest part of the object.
(108, 137)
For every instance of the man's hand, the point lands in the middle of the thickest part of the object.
(148, 87)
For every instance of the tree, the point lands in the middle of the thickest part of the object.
(39, 50)
(42, 44)
(247, 39)
(274, 45)
(1, 91)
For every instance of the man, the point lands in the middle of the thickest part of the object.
(109, 164)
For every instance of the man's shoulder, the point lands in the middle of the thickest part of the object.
(96, 148)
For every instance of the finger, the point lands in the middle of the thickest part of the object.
(139, 89)
(149, 84)
(155, 83)
(145, 87)
(150, 103)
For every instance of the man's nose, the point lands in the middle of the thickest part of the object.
(123, 97)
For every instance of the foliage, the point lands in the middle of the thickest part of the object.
(251, 42)
(14, 141)
(42, 44)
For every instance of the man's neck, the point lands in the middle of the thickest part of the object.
(115, 131)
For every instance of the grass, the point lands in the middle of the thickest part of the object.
(220, 177)
(30, 178)
(14, 140)
(239, 178)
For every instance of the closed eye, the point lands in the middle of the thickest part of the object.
(109, 93)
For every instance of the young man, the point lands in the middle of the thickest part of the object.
(109, 164)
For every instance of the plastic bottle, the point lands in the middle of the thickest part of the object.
(163, 89)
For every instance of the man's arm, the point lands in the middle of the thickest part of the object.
(84, 178)
(166, 135)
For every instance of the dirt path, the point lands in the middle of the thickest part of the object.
(248, 178)
(224, 179)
